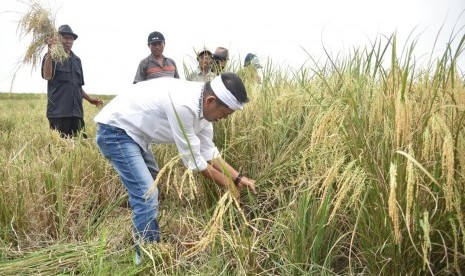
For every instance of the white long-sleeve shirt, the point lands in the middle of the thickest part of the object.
(149, 111)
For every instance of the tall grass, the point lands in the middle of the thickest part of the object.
(359, 169)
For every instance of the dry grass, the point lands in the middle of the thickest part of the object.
(39, 23)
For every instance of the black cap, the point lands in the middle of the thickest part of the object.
(204, 51)
(65, 29)
(155, 36)
(251, 59)
(248, 58)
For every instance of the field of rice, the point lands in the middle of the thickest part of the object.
(360, 169)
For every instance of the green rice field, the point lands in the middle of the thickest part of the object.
(360, 170)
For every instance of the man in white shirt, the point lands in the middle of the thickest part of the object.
(166, 111)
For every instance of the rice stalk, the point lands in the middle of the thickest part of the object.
(174, 173)
(333, 172)
(392, 202)
(56, 259)
(167, 169)
(460, 217)
(189, 177)
(352, 179)
(411, 188)
(418, 165)
(161, 255)
(325, 125)
(427, 142)
(436, 133)
(456, 246)
(400, 121)
(39, 22)
(448, 170)
(426, 244)
(359, 185)
(213, 226)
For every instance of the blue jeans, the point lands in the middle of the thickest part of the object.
(137, 169)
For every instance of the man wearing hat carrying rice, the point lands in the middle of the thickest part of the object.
(64, 87)
(168, 111)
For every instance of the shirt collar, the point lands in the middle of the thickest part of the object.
(200, 110)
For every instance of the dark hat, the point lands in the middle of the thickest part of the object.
(203, 50)
(251, 59)
(155, 36)
(221, 53)
(65, 29)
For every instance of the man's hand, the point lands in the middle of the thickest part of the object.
(50, 41)
(96, 101)
(247, 183)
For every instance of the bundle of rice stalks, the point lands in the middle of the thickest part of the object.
(40, 23)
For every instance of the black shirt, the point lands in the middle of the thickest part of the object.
(64, 92)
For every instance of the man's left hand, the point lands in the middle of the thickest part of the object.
(96, 101)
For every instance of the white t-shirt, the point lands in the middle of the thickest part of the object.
(148, 111)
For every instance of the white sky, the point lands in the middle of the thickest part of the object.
(113, 34)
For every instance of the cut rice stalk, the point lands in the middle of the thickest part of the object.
(40, 23)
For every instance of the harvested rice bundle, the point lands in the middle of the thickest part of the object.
(40, 23)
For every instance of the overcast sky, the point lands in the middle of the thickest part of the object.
(113, 34)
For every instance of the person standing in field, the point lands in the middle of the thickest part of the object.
(250, 70)
(220, 59)
(65, 79)
(204, 71)
(167, 111)
(156, 65)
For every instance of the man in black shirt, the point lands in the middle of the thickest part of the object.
(64, 87)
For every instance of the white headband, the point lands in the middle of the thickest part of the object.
(224, 94)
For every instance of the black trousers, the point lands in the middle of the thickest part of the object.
(68, 126)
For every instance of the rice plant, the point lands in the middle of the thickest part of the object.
(359, 168)
(38, 24)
